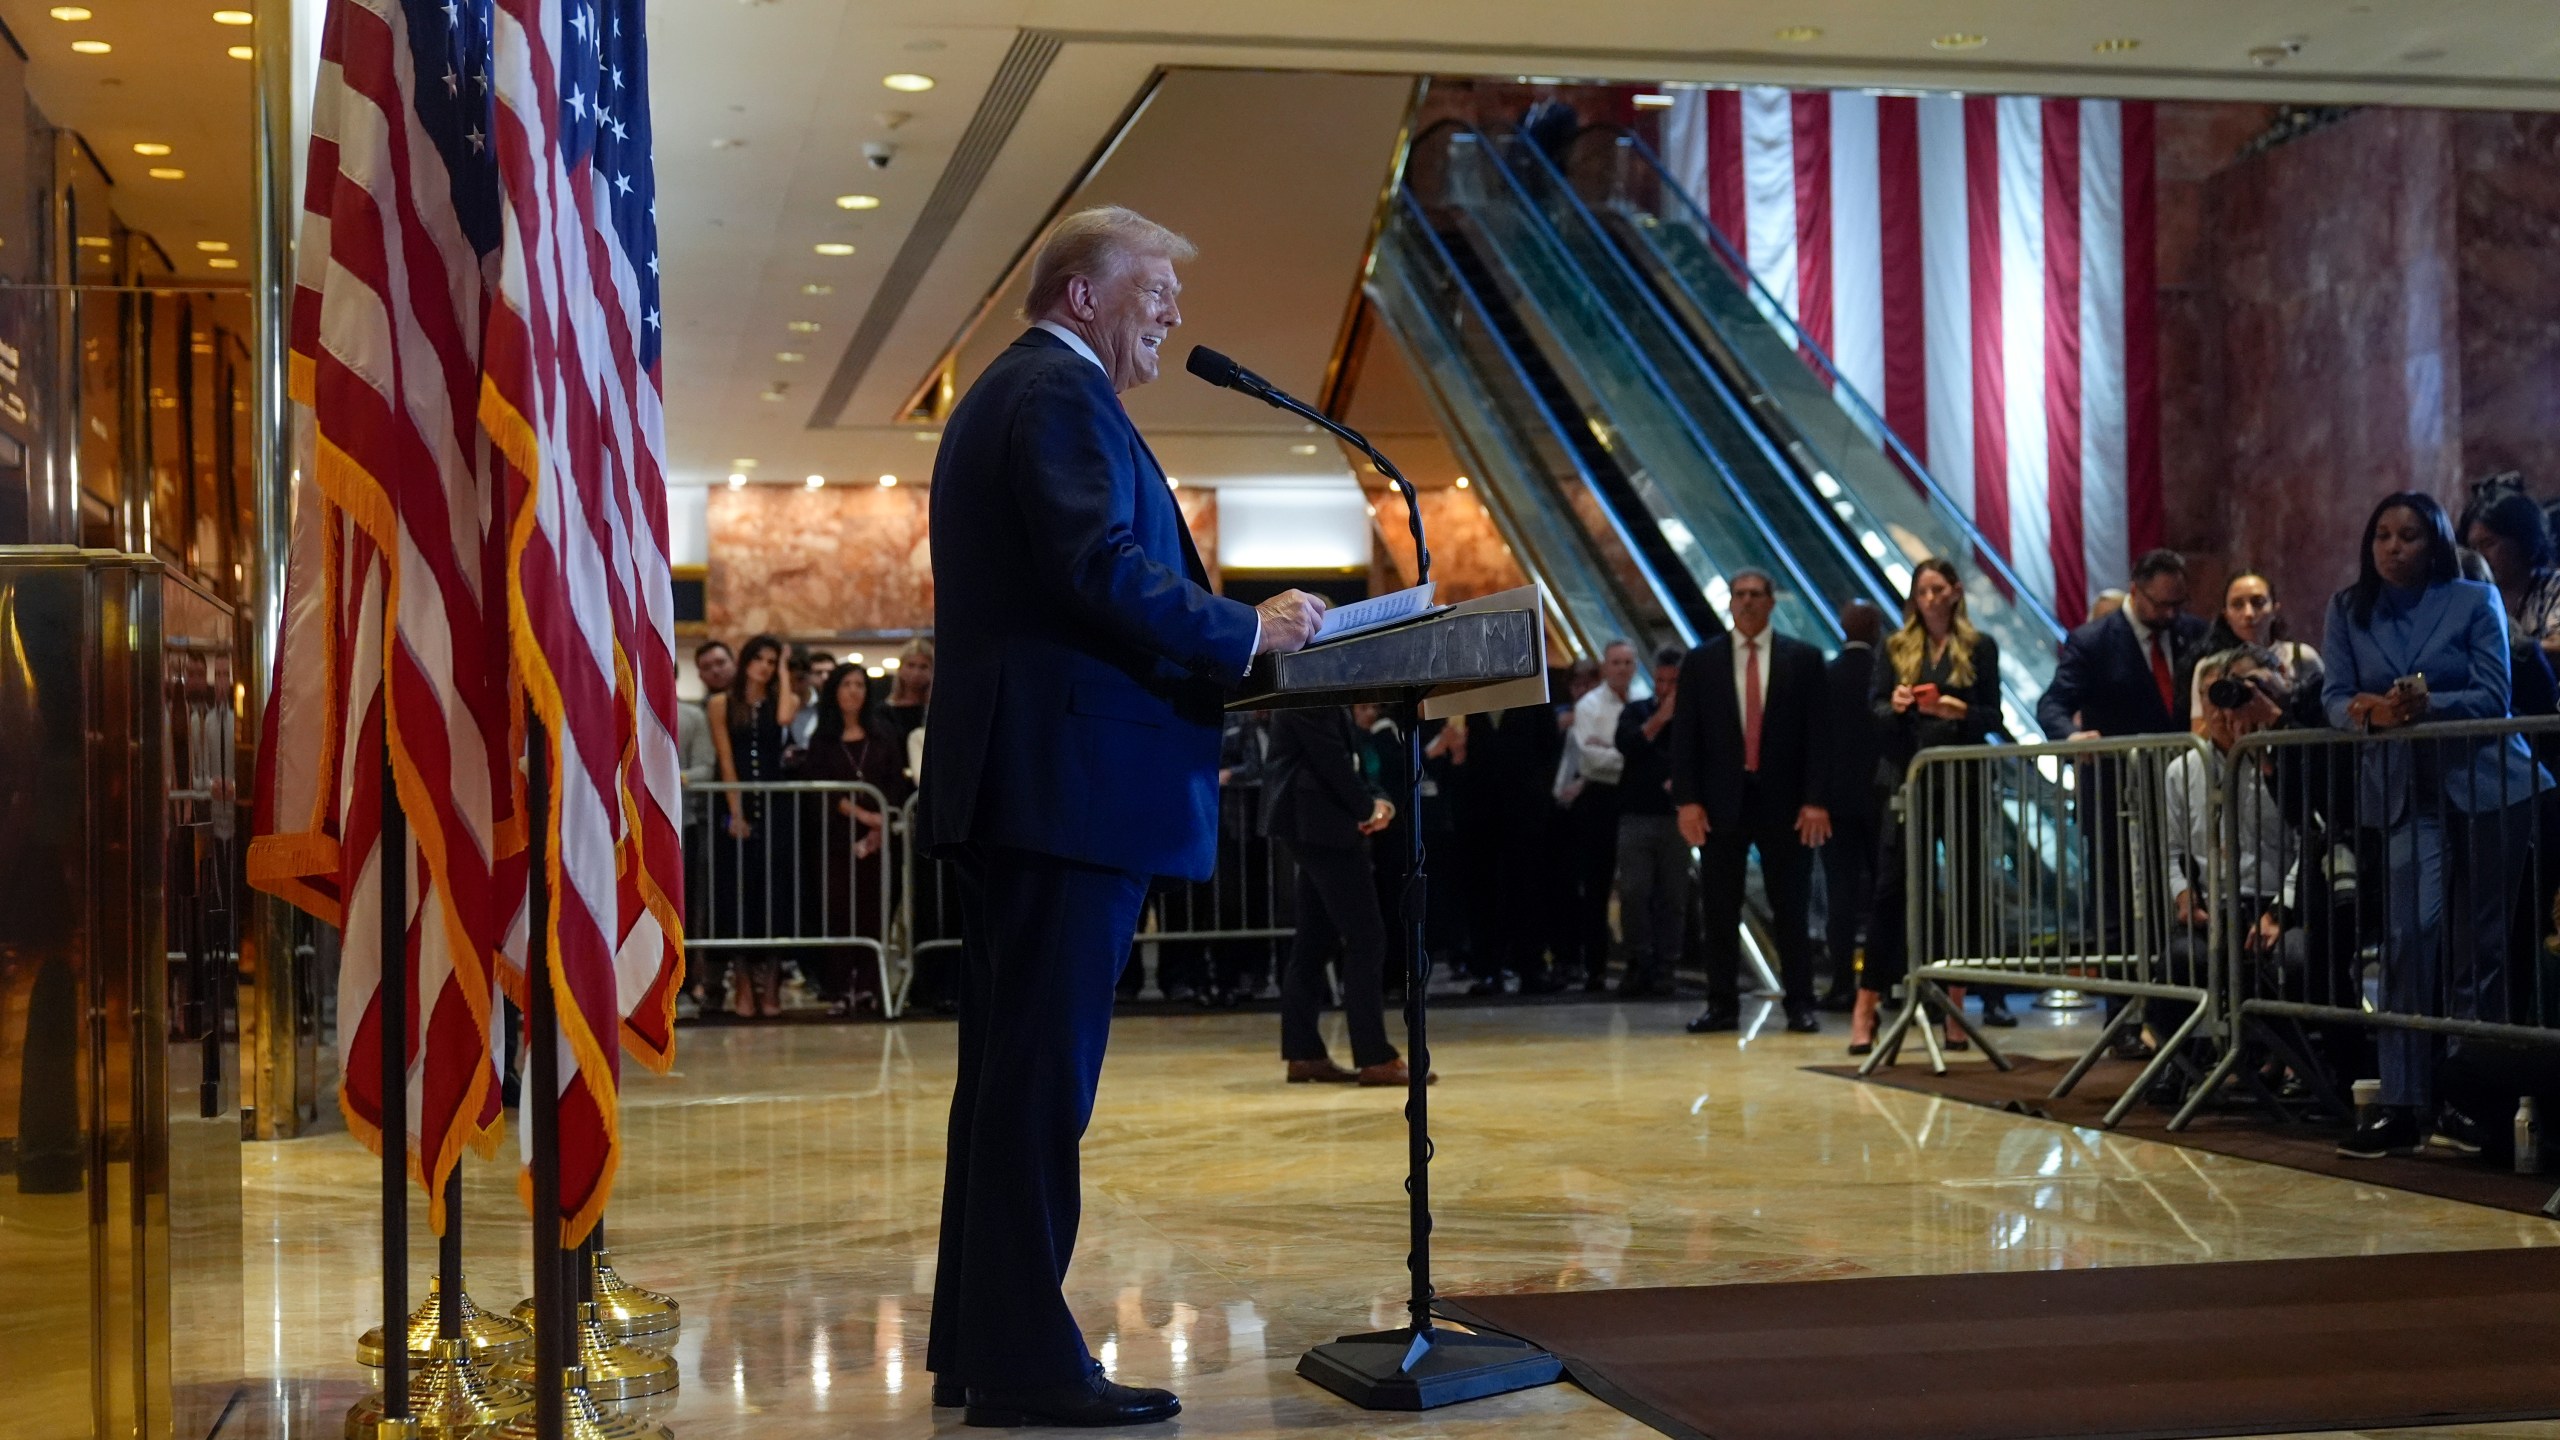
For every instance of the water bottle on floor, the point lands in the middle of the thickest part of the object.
(2528, 1138)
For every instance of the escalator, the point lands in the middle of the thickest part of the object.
(1595, 347)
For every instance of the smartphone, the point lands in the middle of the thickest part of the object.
(1924, 696)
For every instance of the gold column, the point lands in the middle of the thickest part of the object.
(280, 951)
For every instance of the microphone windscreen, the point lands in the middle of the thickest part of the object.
(1211, 366)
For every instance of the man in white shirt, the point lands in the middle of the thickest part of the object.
(1591, 756)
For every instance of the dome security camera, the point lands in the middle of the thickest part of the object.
(879, 153)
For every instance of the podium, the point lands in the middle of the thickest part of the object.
(1485, 654)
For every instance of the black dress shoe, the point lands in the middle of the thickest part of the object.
(2390, 1131)
(1091, 1403)
(1998, 1017)
(1802, 1021)
(1715, 1018)
(949, 1394)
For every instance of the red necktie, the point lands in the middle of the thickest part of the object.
(1751, 705)
(2160, 675)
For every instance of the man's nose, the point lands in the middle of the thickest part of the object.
(1172, 314)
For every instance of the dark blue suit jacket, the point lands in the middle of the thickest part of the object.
(1080, 660)
(2104, 677)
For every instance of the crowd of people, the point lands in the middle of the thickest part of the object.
(1605, 838)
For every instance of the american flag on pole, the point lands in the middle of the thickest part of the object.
(570, 398)
(482, 450)
(395, 638)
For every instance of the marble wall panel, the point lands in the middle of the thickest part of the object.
(791, 561)
(801, 562)
(2334, 280)
(2507, 218)
(1468, 556)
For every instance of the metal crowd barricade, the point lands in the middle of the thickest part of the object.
(2397, 887)
(1246, 898)
(2053, 867)
(800, 880)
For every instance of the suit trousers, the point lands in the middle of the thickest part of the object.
(1849, 887)
(1042, 940)
(1594, 862)
(2454, 876)
(1653, 894)
(1337, 901)
(1786, 866)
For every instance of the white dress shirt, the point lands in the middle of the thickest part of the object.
(1595, 735)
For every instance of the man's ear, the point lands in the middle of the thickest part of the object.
(1079, 297)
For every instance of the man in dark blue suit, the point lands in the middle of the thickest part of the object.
(1071, 755)
(2130, 673)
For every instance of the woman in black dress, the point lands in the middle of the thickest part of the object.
(1939, 685)
(848, 869)
(753, 895)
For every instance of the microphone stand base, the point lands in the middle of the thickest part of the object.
(1400, 1370)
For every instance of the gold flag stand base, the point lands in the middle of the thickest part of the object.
(628, 1312)
(487, 1334)
(581, 1420)
(614, 1371)
(449, 1399)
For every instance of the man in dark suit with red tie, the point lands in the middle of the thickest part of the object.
(1748, 751)
(1071, 755)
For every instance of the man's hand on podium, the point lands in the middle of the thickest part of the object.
(1289, 621)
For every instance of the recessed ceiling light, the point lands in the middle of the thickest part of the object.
(743, 462)
(1462, 482)
(888, 482)
(1172, 484)
(150, 147)
(70, 12)
(223, 262)
(803, 327)
(817, 289)
(817, 482)
(771, 393)
(832, 247)
(239, 52)
(857, 202)
(928, 436)
(165, 172)
(789, 357)
(1799, 34)
(908, 81)
(234, 17)
(1958, 40)
(1653, 102)
(1302, 449)
(96, 242)
(213, 247)
(91, 47)
(2117, 46)
(737, 479)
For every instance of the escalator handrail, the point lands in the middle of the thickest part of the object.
(1858, 561)
(1840, 385)
(1421, 222)
(1750, 509)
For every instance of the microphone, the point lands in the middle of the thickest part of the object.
(1226, 374)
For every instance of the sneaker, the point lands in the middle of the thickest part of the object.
(2457, 1132)
(2391, 1131)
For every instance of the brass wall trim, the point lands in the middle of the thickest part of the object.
(1351, 338)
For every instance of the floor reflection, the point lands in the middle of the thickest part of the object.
(783, 1185)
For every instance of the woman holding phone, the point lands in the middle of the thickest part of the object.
(2412, 641)
(1939, 685)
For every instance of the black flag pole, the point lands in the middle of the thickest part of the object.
(391, 1032)
(551, 1337)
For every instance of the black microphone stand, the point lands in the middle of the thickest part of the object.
(1419, 1365)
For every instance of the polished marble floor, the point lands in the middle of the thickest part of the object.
(782, 1184)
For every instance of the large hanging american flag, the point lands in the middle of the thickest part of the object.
(570, 398)
(1981, 270)
(448, 456)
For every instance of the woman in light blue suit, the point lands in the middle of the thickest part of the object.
(2412, 641)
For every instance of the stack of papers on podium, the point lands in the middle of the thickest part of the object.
(1375, 613)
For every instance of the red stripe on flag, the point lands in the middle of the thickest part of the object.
(1982, 234)
(1811, 112)
(1906, 330)
(2142, 504)
(2062, 360)
(1726, 209)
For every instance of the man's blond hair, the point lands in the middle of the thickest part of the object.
(1098, 244)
